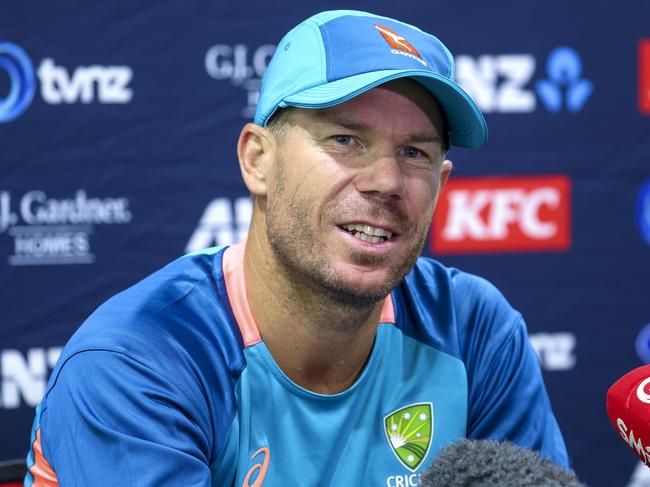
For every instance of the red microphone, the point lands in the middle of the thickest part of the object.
(628, 408)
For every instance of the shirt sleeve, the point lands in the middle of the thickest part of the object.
(508, 399)
(109, 420)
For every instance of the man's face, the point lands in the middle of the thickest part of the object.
(352, 191)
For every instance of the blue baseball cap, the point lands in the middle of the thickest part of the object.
(337, 55)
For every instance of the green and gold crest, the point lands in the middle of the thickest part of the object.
(409, 431)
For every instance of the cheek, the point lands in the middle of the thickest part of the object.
(422, 193)
(294, 193)
(322, 185)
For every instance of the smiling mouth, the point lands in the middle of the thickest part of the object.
(367, 233)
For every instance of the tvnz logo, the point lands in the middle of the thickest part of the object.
(86, 84)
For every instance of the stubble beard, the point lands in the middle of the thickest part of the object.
(310, 267)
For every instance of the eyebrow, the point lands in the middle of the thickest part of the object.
(326, 117)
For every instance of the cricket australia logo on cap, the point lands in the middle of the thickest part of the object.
(399, 44)
(409, 431)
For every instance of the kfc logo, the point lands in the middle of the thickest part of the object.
(644, 76)
(503, 214)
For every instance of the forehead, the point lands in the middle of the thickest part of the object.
(402, 104)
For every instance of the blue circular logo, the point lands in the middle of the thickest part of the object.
(643, 211)
(642, 344)
(21, 81)
(564, 65)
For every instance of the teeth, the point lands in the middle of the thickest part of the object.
(368, 231)
(368, 238)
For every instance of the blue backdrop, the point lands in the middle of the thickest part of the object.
(118, 125)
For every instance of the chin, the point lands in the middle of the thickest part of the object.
(357, 297)
(360, 292)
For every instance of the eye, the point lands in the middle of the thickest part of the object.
(413, 153)
(344, 139)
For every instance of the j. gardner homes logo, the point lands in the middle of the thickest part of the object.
(47, 230)
(503, 214)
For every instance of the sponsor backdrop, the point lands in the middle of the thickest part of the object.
(118, 125)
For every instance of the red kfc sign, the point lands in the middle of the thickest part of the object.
(503, 214)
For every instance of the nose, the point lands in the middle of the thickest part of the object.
(381, 177)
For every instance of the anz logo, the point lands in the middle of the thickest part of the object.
(24, 375)
(506, 83)
(224, 221)
(565, 87)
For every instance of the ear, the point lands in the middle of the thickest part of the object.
(256, 152)
(445, 171)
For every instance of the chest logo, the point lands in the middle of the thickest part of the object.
(409, 431)
(259, 468)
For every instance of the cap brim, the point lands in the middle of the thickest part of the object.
(466, 122)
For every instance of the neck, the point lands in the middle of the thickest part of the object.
(319, 343)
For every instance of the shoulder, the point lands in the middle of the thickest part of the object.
(164, 351)
(454, 310)
(463, 288)
(177, 322)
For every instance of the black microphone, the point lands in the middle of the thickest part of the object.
(485, 463)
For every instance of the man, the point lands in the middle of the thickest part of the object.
(318, 352)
